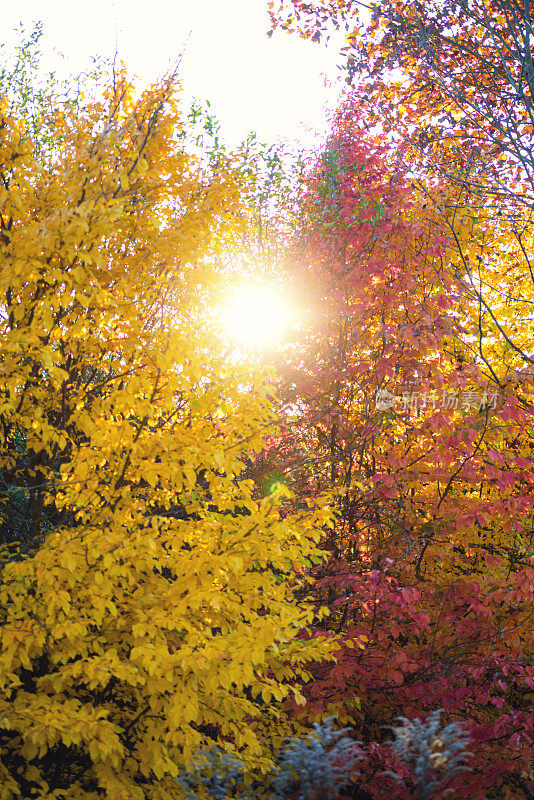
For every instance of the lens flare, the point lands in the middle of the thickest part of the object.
(256, 316)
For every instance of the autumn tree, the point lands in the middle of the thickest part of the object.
(429, 579)
(448, 85)
(155, 600)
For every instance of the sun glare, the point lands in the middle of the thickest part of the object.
(256, 316)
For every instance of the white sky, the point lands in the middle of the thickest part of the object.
(273, 86)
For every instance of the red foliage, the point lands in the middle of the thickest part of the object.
(430, 580)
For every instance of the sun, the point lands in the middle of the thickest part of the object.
(256, 316)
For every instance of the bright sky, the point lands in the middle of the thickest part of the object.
(273, 86)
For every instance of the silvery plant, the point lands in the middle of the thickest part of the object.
(319, 766)
(435, 754)
(216, 775)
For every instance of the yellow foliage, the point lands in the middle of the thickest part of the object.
(160, 603)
